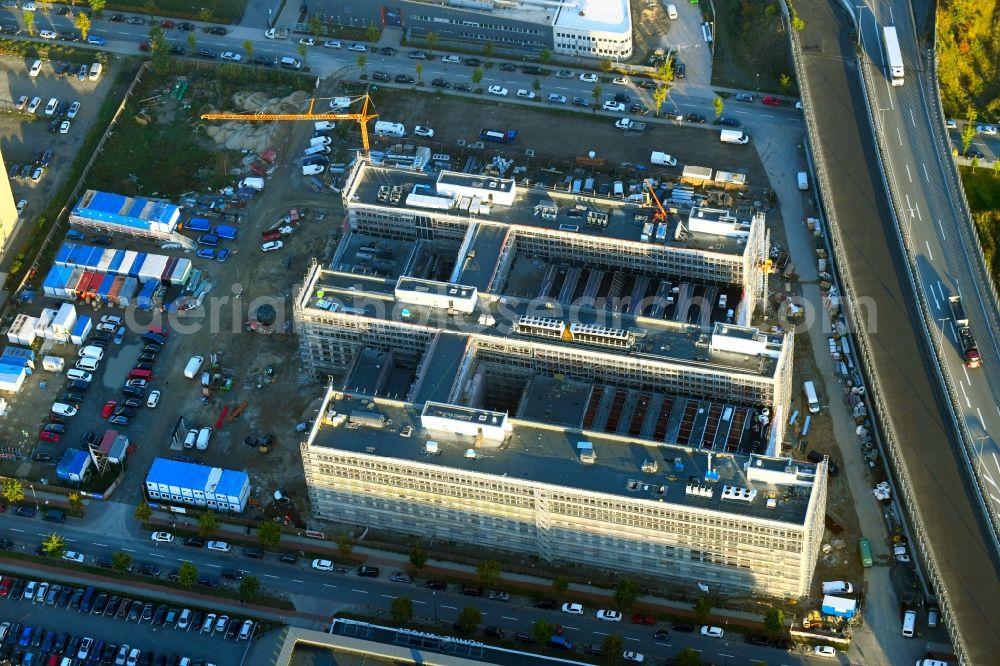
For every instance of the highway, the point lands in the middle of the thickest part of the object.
(960, 543)
(325, 593)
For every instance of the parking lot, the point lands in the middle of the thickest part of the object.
(158, 630)
(24, 137)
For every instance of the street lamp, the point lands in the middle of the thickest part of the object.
(435, 602)
(33, 495)
(859, 8)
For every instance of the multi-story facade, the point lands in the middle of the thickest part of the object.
(588, 28)
(568, 376)
(8, 210)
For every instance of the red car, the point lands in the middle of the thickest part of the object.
(108, 408)
(771, 101)
(5, 586)
(168, 24)
(144, 46)
(160, 330)
(643, 619)
(47, 436)
(270, 235)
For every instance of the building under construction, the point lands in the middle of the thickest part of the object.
(567, 376)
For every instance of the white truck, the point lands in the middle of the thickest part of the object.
(630, 125)
(662, 159)
(276, 33)
(893, 55)
(253, 183)
(384, 128)
(837, 587)
(53, 363)
(734, 136)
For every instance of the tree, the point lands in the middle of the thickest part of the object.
(98, 7)
(418, 557)
(432, 41)
(420, 71)
(665, 71)
(702, 608)
(344, 543)
(248, 47)
(29, 22)
(13, 491)
(205, 15)
(207, 523)
(249, 587)
(401, 609)
(362, 61)
(75, 502)
(315, 25)
(121, 561)
(469, 619)
(303, 51)
(192, 41)
(969, 131)
(687, 657)
(560, 584)
(537, 85)
(82, 23)
(542, 631)
(975, 163)
(612, 645)
(268, 534)
(606, 65)
(54, 545)
(187, 574)
(160, 48)
(143, 512)
(477, 75)
(489, 572)
(718, 104)
(545, 57)
(626, 593)
(784, 82)
(774, 621)
(372, 32)
(798, 23)
(596, 92)
(487, 50)
(659, 96)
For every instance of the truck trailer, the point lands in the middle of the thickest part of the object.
(893, 55)
(968, 343)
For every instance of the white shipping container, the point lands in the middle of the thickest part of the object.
(65, 319)
(105, 261)
(53, 363)
(126, 266)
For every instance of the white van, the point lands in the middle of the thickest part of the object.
(87, 363)
(290, 63)
(672, 12)
(190, 438)
(803, 181)
(810, 392)
(80, 375)
(383, 128)
(95, 71)
(193, 366)
(909, 623)
(324, 125)
(316, 149)
(618, 189)
(91, 352)
(203, 437)
(313, 169)
(837, 587)
(36, 68)
(320, 141)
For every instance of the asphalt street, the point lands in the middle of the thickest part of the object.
(959, 542)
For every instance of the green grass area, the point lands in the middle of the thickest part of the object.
(156, 123)
(982, 189)
(222, 11)
(751, 47)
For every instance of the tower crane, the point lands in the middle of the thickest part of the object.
(661, 214)
(367, 113)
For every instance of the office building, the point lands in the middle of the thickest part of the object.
(8, 210)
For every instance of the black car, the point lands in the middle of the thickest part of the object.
(440, 83)
(581, 101)
(638, 109)
(646, 84)
(472, 62)
(147, 612)
(147, 569)
(216, 30)
(622, 98)
(436, 585)
(133, 392)
(755, 639)
(208, 581)
(534, 70)
(102, 239)
(366, 571)
(136, 20)
(972, 153)
(127, 412)
(380, 76)
(112, 606)
(264, 62)
(78, 385)
(206, 53)
(100, 604)
(71, 398)
(117, 18)
(683, 627)
(546, 604)
(6, 544)
(194, 542)
(254, 553)
(25, 511)
(147, 358)
(16, 590)
(387, 51)
(463, 87)
(507, 67)
(56, 427)
(231, 574)
(197, 618)
(160, 615)
(661, 635)
(680, 70)
(53, 128)
(290, 558)
(60, 644)
(404, 78)
(472, 590)
(132, 402)
(185, 27)
(234, 629)
(727, 121)
(695, 118)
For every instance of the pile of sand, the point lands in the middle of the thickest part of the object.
(256, 136)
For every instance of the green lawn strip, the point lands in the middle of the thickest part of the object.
(223, 11)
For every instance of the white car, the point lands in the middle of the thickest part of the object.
(613, 106)
(556, 98)
(634, 657)
(64, 127)
(112, 319)
(47, 34)
(79, 375)
(22, 102)
(420, 130)
(825, 651)
(153, 400)
(36, 68)
(572, 609)
(133, 657)
(497, 90)
(991, 130)
(209, 624)
(525, 93)
(609, 615)
(588, 77)
(162, 537)
(307, 41)
(74, 109)
(51, 107)
(62, 409)
(322, 565)
(37, 174)
(21, 205)
(270, 246)
(314, 169)
(712, 632)
(73, 556)
(28, 7)
(34, 104)
(620, 81)
(219, 546)
(451, 58)
(333, 44)
(951, 124)
(106, 328)
(231, 55)
(360, 48)
(324, 125)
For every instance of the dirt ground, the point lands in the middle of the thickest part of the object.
(751, 47)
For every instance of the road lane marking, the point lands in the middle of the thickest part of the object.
(913, 120)
(153, 554)
(968, 404)
(14, 529)
(268, 575)
(334, 587)
(954, 335)
(629, 638)
(937, 304)
(601, 633)
(908, 176)
(943, 235)
(900, 136)
(941, 290)
(296, 580)
(919, 215)
(566, 626)
(387, 596)
(103, 545)
(507, 617)
(929, 253)
(981, 421)
(423, 603)
(449, 607)
(352, 589)
(128, 550)
(926, 177)
(214, 566)
(969, 381)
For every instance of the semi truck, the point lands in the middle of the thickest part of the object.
(733, 136)
(630, 125)
(893, 55)
(969, 348)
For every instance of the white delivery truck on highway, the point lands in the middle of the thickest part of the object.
(734, 136)
(893, 55)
